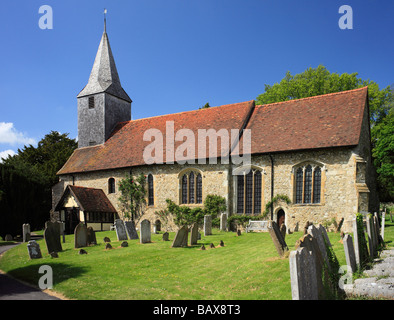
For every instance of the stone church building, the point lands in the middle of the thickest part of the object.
(316, 151)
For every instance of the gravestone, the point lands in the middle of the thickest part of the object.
(207, 225)
(91, 236)
(371, 237)
(356, 243)
(8, 237)
(145, 232)
(194, 234)
(349, 253)
(33, 248)
(120, 230)
(277, 238)
(52, 236)
(317, 234)
(26, 232)
(130, 229)
(323, 231)
(383, 223)
(223, 222)
(166, 236)
(80, 236)
(180, 239)
(303, 275)
(282, 230)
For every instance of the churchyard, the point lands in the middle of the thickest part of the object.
(246, 267)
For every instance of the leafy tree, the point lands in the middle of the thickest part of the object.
(133, 193)
(205, 106)
(184, 215)
(214, 205)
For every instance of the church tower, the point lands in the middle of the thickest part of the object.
(102, 103)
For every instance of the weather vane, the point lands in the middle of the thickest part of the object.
(105, 20)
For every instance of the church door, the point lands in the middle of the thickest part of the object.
(72, 219)
(281, 217)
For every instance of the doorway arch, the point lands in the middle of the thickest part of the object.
(280, 217)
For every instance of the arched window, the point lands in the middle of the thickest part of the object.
(308, 184)
(191, 188)
(249, 189)
(151, 198)
(111, 185)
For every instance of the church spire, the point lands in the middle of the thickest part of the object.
(104, 75)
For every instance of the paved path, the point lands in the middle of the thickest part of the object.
(381, 281)
(12, 289)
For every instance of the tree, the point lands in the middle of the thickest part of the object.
(133, 193)
(205, 106)
(317, 81)
(184, 215)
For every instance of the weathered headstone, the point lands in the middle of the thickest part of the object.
(26, 232)
(106, 239)
(145, 232)
(166, 236)
(323, 231)
(317, 234)
(277, 238)
(356, 243)
(91, 236)
(282, 230)
(80, 236)
(52, 237)
(8, 237)
(180, 239)
(130, 229)
(120, 230)
(371, 237)
(194, 234)
(207, 225)
(383, 223)
(124, 244)
(349, 253)
(108, 246)
(303, 275)
(34, 250)
(223, 222)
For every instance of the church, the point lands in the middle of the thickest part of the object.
(315, 150)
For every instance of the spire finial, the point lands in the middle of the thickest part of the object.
(105, 20)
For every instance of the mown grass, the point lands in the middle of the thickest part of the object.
(247, 267)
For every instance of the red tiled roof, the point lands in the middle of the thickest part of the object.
(330, 120)
(125, 147)
(88, 199)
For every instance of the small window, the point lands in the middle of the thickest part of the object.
(191, 188)
(308, 184)
(111, 185)
(151, 199)
(91, 102)
(92, 143)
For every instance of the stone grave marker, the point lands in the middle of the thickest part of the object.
(120, 230)
(52, 236)
(371, 237)
(383, 223)
(223, 222)
(26, 232)
(356, 243)
(303, 275)
(277, 238)
(207, 225)
(130, 229)
(33, 248)
(91, 236)
(180, 239)
(323, 231)
(166, 236)
(80, 236)
(145, 232)
(194, 234)
(349, 253)
(317, 234)
(282, 230)
(8, 237)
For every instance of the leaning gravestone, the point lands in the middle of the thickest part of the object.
(194, 234)
(91, 236)
(80, 236)
(52, 237)
(277, 238)
(317, 234)
(120, 230)
(223, 222)
(26, 232)
(145, 232)
(180, 239)
(130, 229)
(349, 253)
(303, 275)
(34, 250)
(207, 225)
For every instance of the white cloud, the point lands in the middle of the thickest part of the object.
(5, 154)
(9, 135)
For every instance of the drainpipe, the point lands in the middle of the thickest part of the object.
(272, 185)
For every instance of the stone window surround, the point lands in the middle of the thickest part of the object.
(196, 172)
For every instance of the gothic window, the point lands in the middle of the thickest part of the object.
(191, 188)
(151, 198)
(111, 185)
(249, 188)
(308, 184)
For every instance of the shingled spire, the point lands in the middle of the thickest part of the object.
(103, 103)
(104, 76)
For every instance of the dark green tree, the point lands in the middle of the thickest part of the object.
(132, 198)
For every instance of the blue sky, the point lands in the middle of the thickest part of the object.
(176, 55)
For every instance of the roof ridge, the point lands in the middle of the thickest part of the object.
(313, 97)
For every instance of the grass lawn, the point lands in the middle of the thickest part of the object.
(247, 267)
